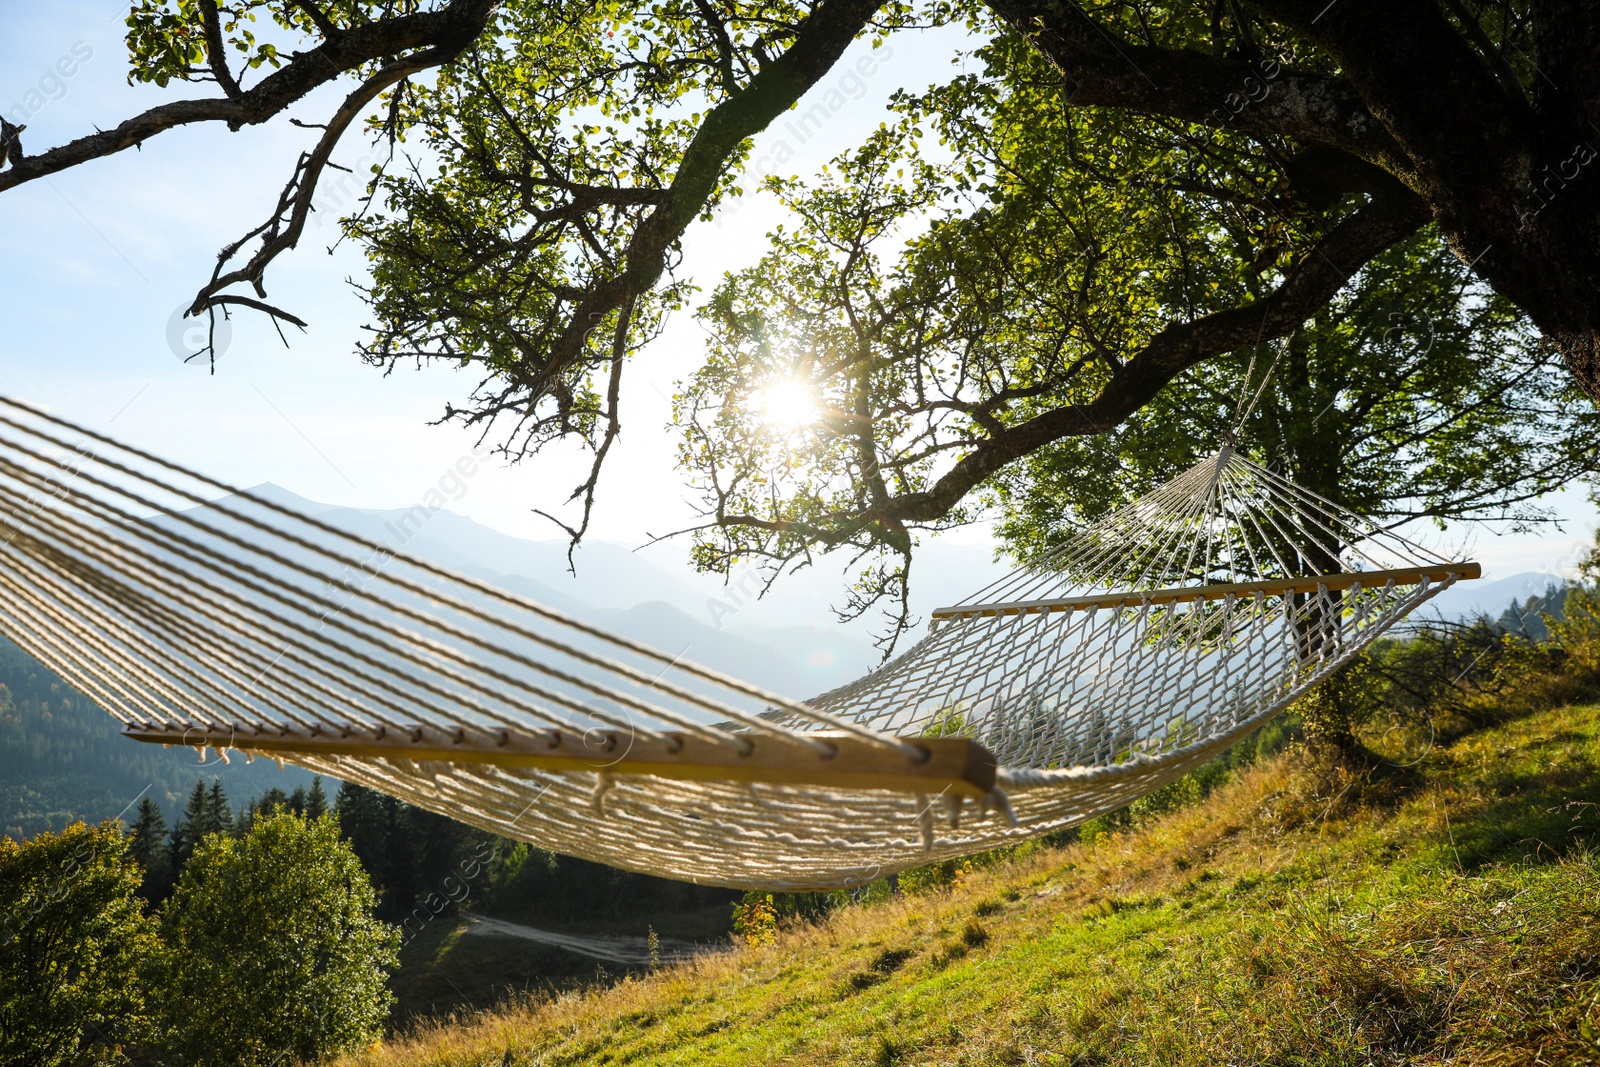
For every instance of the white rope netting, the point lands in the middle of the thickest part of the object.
(239, 622)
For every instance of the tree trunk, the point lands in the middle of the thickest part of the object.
(1329, 725)
(1314, 450)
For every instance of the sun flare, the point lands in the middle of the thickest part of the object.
(787, 405)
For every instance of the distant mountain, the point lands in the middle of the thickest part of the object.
(727, 627)
(797, 662)
(609, 575)
(1466, 600)
(942, 574)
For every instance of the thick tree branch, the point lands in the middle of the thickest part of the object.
(216, 52)
(818, 45)
(1103, 69)
(1313, 282)
(1507, 183)
(1493, 56)
(1567, 46)
(1509, 186)
(445, 32)
(1405, 59)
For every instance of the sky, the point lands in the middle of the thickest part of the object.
(96, 263)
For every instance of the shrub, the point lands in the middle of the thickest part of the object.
(755, 919)
(74, 941)
(272, 951)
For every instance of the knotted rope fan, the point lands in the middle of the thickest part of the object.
(1150, 642)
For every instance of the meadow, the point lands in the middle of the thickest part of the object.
(1442, 912)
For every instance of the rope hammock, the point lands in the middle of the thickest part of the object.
(1147, 644)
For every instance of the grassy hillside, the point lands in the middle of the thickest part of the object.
(1451, 914)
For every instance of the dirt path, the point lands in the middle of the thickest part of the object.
(612, 948)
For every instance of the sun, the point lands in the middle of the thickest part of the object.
(787, 405)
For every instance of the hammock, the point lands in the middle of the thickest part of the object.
(1150, 642)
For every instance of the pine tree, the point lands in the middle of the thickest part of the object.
(148, 847)
(189, 830)
(297, 800)
(245, 819)
(272, 801)
(316, 800)
(399, 872)
(219, 813)
(440, 844)
(362, 823)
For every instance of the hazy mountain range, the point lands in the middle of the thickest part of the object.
(788, 641)
(1468, 599)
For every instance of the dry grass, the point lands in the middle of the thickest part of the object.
(1455, 919)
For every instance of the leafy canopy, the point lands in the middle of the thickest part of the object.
(993, 265)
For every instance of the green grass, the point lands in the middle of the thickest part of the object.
(1453, 917)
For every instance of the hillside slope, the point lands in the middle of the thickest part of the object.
(62, 758)
(1452, 917)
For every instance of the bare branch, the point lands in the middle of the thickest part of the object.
(586, 491)
(282, 231)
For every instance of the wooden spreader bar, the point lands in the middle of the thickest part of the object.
(956, 764)
(1220, 591)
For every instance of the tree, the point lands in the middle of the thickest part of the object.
(362, 823)
(207, 812)
(272, 801)
(272, 951)
(1255, 157)
(73, 947)
(189, 829)
(219, 815)
(1441, 406)
(410, 853)
(1529, 618)
(148, 847)
(1414, 393)
(1435, 404)
(316, 799)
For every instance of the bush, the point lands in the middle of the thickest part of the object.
(756, 919)
(73, 941)
(272, 953)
